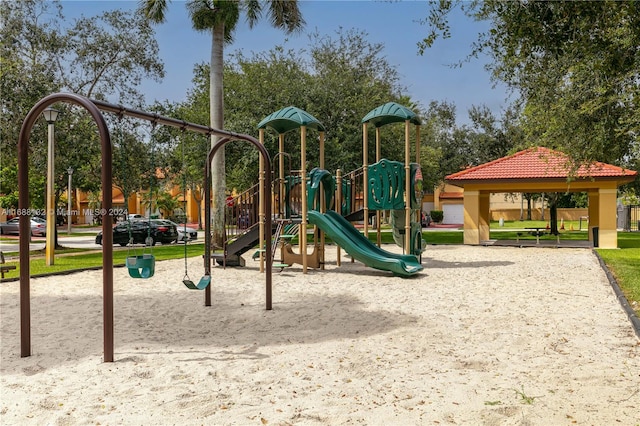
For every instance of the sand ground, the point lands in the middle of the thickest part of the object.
(483, 336)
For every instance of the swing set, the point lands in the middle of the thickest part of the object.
(145, 266)
(140, 265)
(206, 278)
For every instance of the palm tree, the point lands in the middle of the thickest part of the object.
(220, 17)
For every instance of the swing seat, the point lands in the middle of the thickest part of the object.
(142, 266)
(201, 285)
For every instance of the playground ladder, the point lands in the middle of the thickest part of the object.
(276, 238)
(285, 231)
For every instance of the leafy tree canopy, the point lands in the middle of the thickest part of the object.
(575, 65)
(101, 57)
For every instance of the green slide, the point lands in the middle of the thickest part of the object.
(357, 245)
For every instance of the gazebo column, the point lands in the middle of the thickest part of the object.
(485, 209)
(476, 216)
(594, 212)
(602, 213)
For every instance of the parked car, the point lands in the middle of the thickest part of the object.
(160, 232)
(38, 226)
(190, 235)
(60, 219)
(135, 216)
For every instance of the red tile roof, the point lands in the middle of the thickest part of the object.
(537, 163)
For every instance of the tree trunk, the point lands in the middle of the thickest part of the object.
(216, 108)
(553, 213)
(528, 206)
(521, 207)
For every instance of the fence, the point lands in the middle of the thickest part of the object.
(629, 217)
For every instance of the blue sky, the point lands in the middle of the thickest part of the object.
(394, 24)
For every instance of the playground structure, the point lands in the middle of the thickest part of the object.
(337, 227)
(355, 196)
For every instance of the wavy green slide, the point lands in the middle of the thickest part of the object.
(357, 245)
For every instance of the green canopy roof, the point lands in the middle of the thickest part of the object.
(290, 118)
(390, 112)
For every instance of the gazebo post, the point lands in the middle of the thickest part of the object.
(602, 214)
(476, 216)
(594, 212)
(485, 210)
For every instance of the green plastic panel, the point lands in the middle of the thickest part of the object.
(290, 118)
(386, 185)
(390, 112)
(316, 177)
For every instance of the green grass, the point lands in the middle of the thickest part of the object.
(443, 237)
(94, 259)
(497, 234)
(624, 264)
(522, 224)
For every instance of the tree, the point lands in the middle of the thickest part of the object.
(490, 138)
(167, 203)
(338, 79)
(220, 19)
(352, 77)
(97, 57)
(448, 140)
(575, 65)
(109, 55)
(133, 158)
(29, 43)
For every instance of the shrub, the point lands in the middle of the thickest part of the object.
(437, 215)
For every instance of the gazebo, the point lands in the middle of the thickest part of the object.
(541, 169)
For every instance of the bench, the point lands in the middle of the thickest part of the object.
(5, 268)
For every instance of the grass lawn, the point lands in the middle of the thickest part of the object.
(93, 259)
(521, 224)
(624, 264)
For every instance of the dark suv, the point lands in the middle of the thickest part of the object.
(161, 232)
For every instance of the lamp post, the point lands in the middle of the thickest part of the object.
(50, 115)
(69, 197)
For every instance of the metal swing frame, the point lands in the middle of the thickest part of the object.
(94, 108)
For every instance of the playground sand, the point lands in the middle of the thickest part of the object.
(484, 335)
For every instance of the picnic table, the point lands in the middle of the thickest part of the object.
(536, 232)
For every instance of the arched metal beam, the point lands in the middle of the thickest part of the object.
(267, 207)
(23, 210)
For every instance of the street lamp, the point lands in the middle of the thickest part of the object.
(69, 197)
(50, 115)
